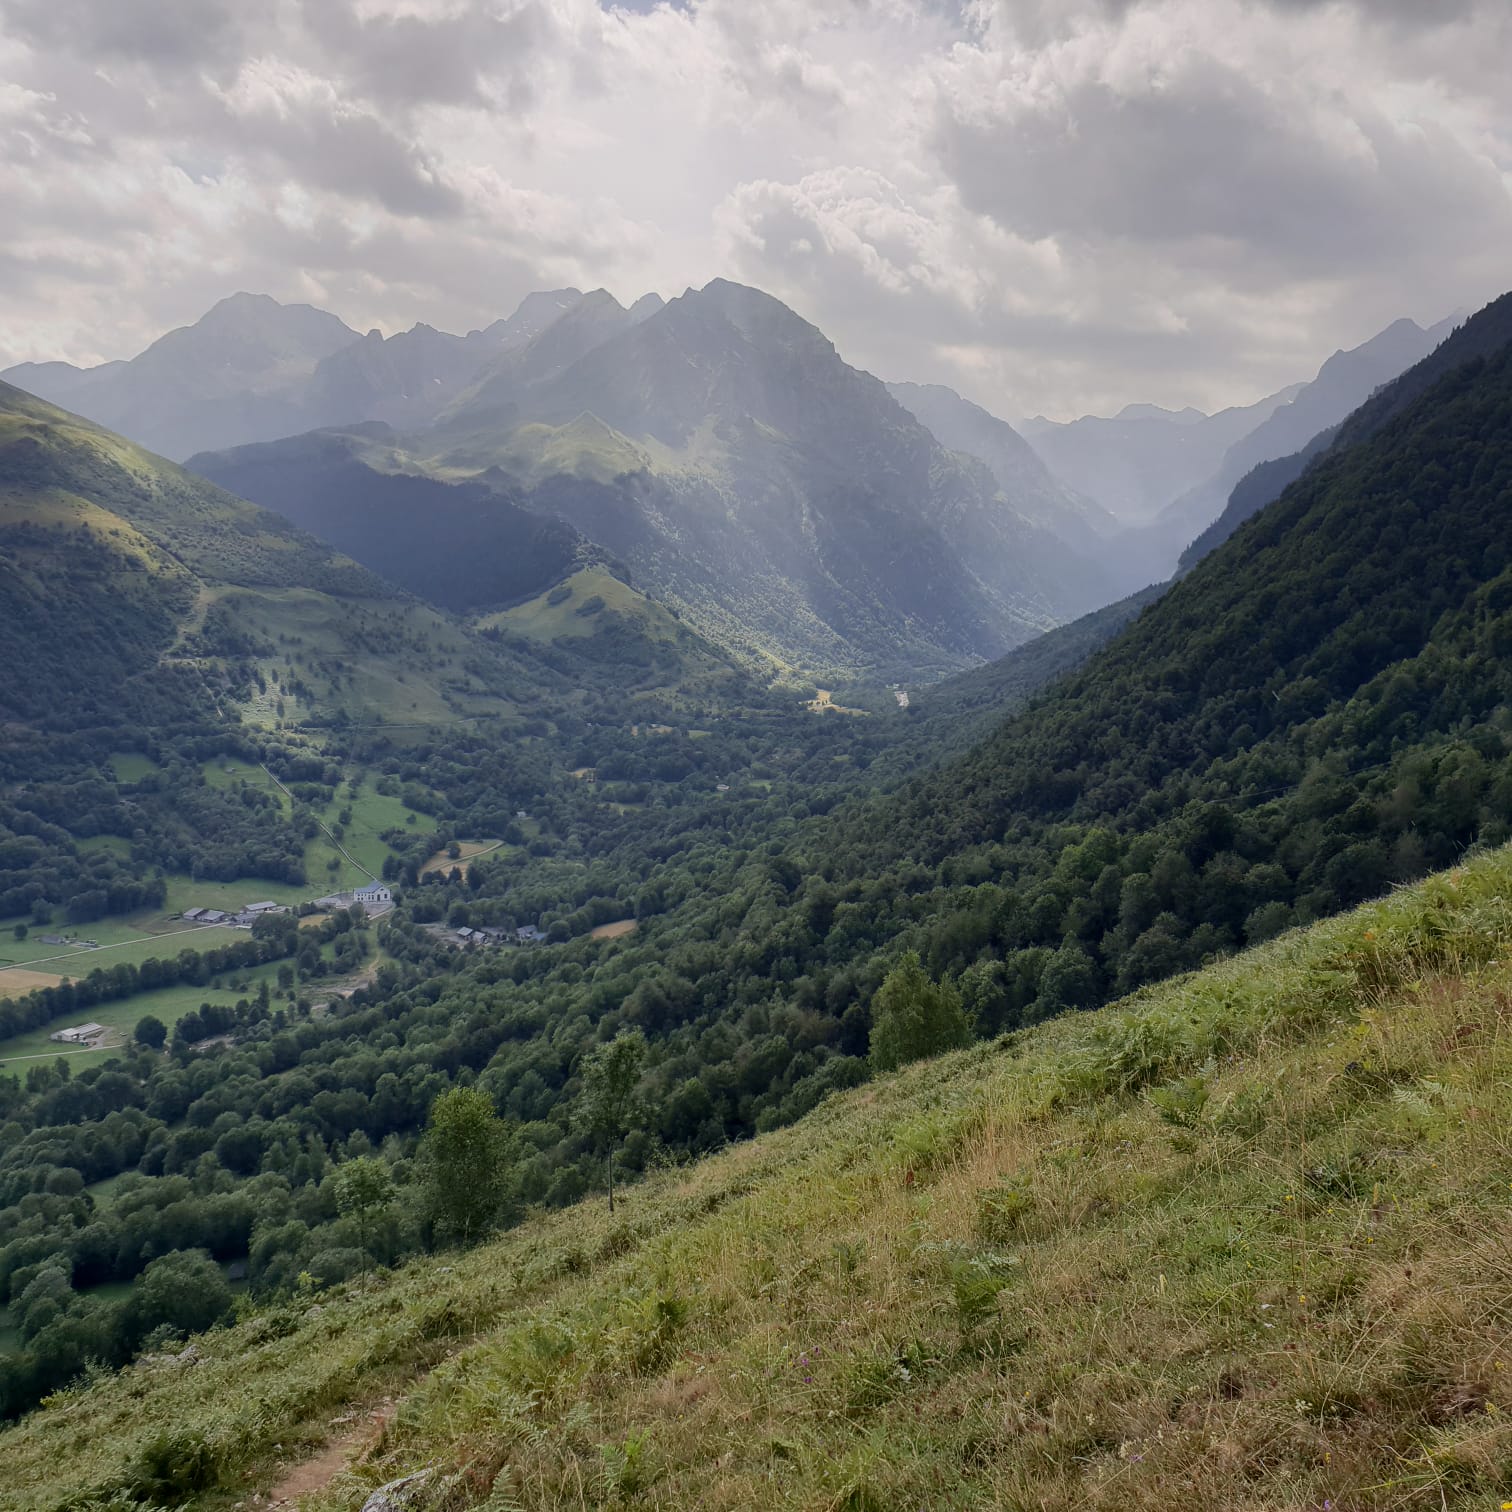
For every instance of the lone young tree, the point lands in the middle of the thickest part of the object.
(914, 1016)
(464, 1156)
(609, 1107)
(364, 1189)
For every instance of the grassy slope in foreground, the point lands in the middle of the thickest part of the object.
(1240, 1242)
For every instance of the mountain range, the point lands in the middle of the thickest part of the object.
(784, 502)
(802, 515)
(157, 598)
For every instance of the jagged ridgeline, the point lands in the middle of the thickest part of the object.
(788, 506)
(1242, 1242)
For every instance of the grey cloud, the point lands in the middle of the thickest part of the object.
(1250, 177)
(345, 152)
(171, 33)
(454, 59)
(975, 191)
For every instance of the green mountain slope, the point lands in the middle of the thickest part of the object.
(1362, 610)
(123, 573)
(1240, 1243)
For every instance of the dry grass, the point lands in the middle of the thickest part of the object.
(17, 981)
(614, 931)
(1243, 1243)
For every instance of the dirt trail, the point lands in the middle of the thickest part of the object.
(363, 1432)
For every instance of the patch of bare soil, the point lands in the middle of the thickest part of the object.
(360, 1434)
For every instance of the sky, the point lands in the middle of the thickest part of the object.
(1055, 206)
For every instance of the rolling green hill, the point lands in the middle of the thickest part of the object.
(1239, 1243)
(135, 586)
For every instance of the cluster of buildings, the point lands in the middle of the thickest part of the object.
(375, 896)
(526, 934)
(247, 915)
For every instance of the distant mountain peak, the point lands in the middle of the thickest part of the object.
(1188, 415)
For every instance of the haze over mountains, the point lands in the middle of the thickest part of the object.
(722, 449)
(796, 510)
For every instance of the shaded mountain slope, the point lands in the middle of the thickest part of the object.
(476, 547)
(1364, 606)
(465, 546)
(949, 717)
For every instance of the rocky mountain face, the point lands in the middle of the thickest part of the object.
(782, 499)
(1037, 494)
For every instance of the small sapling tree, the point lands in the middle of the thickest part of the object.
(609, 1106)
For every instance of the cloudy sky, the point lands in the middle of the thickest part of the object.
(1055, 205)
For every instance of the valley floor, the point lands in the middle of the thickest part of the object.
(1242, 1242)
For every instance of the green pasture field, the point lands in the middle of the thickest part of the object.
(136, 949)
(116, 845)
(169, 1004)
(225, 771)
(132, 766)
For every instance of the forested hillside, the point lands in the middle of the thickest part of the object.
(1241, 1242)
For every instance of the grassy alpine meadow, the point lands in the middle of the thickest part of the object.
(1243, 1241)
